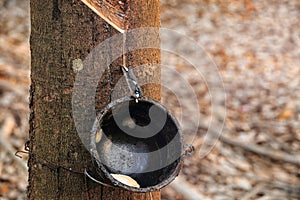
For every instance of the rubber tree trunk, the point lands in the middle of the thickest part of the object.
(63, 31)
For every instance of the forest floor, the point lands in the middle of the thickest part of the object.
(254, 47)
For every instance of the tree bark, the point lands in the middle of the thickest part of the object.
(61, 32)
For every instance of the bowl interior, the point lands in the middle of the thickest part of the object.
(141, 140)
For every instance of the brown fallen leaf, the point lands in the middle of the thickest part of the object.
(4, 189)
(286, 114)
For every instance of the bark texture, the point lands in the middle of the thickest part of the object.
(61, 32)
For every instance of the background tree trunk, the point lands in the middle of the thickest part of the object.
(62, 31)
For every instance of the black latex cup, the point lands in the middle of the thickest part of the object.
(140, 139)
